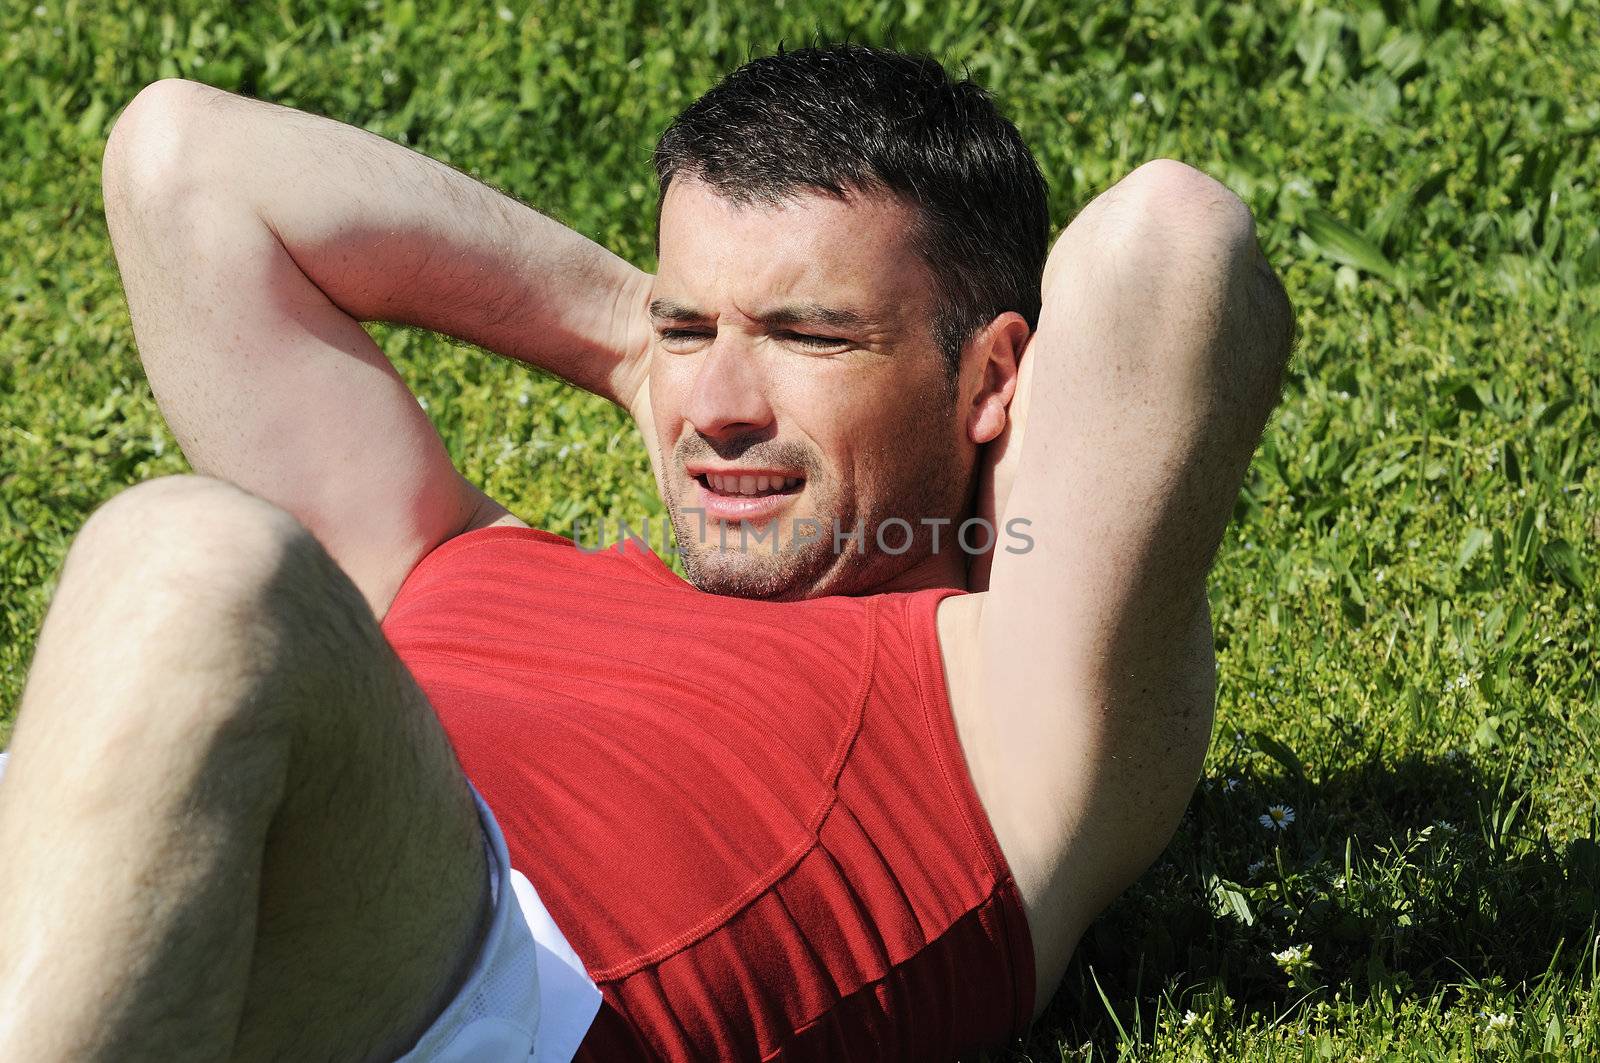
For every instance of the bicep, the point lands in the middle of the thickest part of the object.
(267, 384)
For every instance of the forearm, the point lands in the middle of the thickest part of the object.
(391, 235)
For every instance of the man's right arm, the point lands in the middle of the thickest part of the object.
(253, 239)
(389, 234)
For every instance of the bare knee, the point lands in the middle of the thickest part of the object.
(182, 581)
(199, 524)
(189, 543)
(205, 556)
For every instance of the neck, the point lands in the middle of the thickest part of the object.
(948, 568)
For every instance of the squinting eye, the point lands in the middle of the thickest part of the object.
(680, 334)
(815, 341)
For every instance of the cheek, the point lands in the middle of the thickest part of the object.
(665, 374)
(914, 445)
(860, 426)
(669, 385)
(824, 418)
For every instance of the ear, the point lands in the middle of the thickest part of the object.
(994, 356)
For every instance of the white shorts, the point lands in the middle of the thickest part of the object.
(527, 998)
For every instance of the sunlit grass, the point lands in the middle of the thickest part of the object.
(1405, 605)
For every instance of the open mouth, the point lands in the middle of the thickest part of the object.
(730, 486)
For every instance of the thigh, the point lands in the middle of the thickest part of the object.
(374, 889)
(374, 882)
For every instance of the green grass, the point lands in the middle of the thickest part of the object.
(1405, 605)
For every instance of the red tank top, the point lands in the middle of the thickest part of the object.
(752, 820)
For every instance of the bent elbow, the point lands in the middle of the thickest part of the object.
(1163, 218)
(1178, 196)
(146, 149)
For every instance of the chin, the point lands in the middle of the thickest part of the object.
(788, 576)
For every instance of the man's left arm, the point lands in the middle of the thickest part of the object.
(1158, 357)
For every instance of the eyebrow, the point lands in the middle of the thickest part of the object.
(789, 314)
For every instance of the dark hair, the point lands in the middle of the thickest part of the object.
(838, 118)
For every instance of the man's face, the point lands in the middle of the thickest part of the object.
(794, 343)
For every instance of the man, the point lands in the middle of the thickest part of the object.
(854, 794)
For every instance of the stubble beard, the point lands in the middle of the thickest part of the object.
(823, 566)
(731, 560)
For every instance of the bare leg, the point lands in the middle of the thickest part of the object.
(231, 824)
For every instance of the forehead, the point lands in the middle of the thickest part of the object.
(855, 252)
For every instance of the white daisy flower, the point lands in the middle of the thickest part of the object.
(1498, 1021)
(1293, 958)
(1189, 1019)
(1256, 868)
(1277, 817)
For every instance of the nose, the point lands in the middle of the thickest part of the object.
(729, 395)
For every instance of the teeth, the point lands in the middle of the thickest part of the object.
(749, 485)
